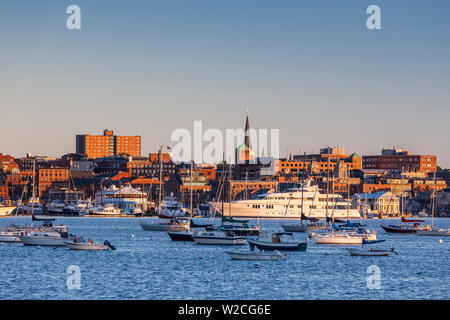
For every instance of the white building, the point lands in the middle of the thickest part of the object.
(382, 202)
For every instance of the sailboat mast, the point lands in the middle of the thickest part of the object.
(328, 182)
(160, 174)
(192, 210)
(32, 194)
(230, 188)
(433, 199)
(401, 199)
(348, 191)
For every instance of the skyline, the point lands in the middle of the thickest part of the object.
(313, 70)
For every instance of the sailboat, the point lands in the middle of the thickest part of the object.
(224, 235)
(168, 210)
(434, 230)
(405, 226)
(337, 236)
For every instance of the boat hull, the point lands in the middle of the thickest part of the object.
(42, 241)
(154, 226)
(368, 253)
(9, 237)
(253, 256)
(180, 236)
(443, 233)
(284, 246)
(6, 210)
(219, 240)
(394, 229)
(336, 239)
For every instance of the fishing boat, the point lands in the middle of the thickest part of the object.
(335, 237)
(218, 238)
(370, 252)
(276, 242)
(255, 255)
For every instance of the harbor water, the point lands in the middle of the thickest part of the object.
(148, 265)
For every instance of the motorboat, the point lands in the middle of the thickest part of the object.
(303, 226)
(44, 239)
(335, 237)
(255, 255)
(370, 252)
(78, 243)
(9, 236)
(218, 238)
(277, 243)
(107, 211)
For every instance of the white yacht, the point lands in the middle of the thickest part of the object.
(170, 208)
(107, 211)
(287, 205)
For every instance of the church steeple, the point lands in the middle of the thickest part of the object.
(247, 130)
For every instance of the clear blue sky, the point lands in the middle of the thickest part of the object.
(310, 68)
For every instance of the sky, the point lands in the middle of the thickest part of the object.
(309, 68)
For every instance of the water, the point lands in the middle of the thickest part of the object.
(150, 266)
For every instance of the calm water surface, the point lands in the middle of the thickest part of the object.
(147, 265)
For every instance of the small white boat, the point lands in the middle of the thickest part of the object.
(43, 239)
(255, 255)
(337, 238)
(9, 236)
(85, 246)
(218, 238)
(370, 252)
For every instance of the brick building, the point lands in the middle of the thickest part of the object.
(327, 160)
(51, 178)
(107, 145)
(396, 159)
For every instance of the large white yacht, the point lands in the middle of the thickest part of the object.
(287, 205)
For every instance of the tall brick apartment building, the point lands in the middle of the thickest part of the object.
(108, 145)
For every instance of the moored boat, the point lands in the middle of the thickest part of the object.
(255, 255)
(277, 243)
(337, 238)
(218, 238)
(9, 236)
(370, 252)
(43, 239)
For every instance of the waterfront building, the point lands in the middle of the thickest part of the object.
(382, 203)
(107, 145)
(318, 164)
(396, 159)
